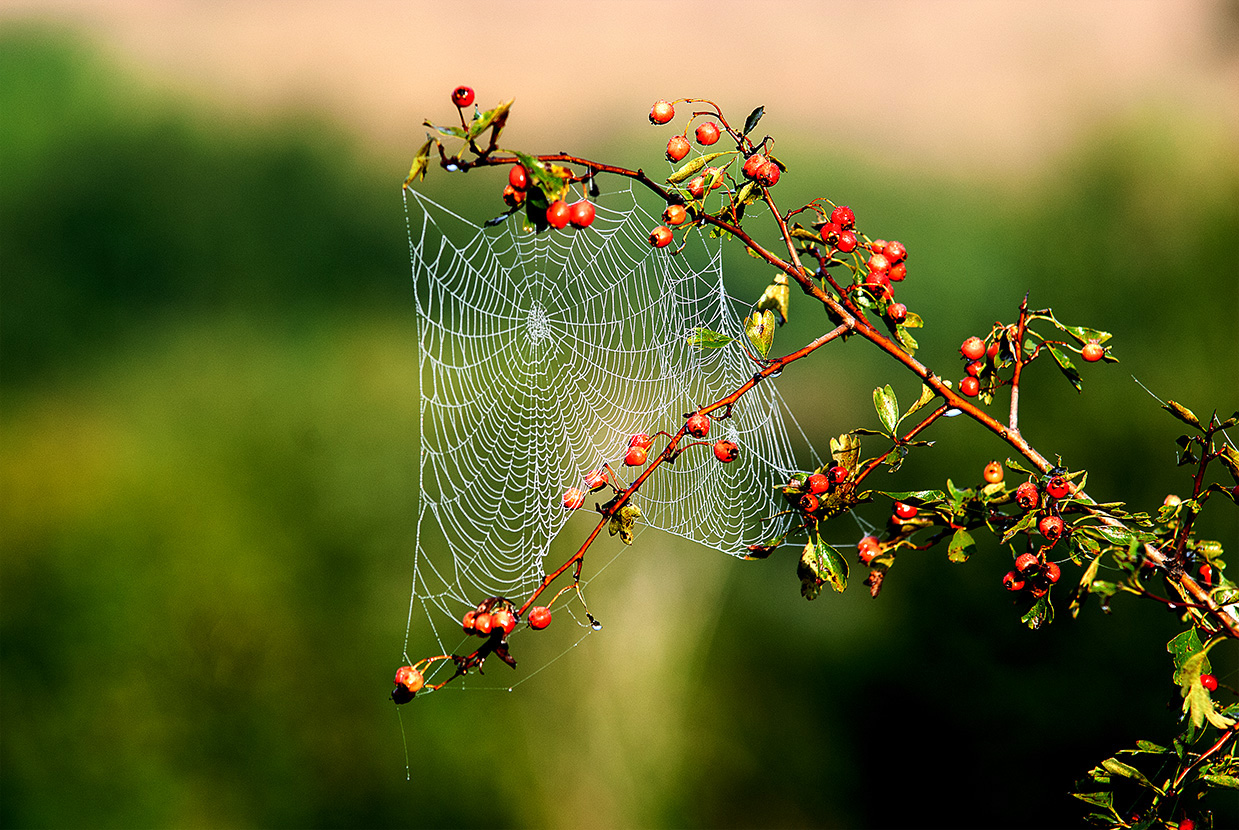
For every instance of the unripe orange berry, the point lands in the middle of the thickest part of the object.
(677, 148)
(1093, 352)
(993, 472)
(675, 215)
(661, 236)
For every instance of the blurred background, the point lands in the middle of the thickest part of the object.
(208, 408)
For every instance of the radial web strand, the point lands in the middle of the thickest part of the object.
(539, 355)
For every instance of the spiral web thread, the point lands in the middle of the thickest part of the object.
(539, 355)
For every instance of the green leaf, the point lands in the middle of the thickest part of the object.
(1228, 781)
(887, 406)
(905, 338)
(1117, 767)
(1182, 413)
(1012, 464)
(809, 569)
(776, 297)
(1064, 364)
(1026, 522)
(1182, 647)
(845, 450)
(917, 497)
(622, 522)
(547, 181)
(927, 395)
(962, 546)
(455, 132)
(496, 118)
(421, 162)
(1101, 799)
(833, 566)
(1086, 335)
(751, 121)
(704, 338)
(1149, 746)
(1083, 589)
(1042, 612)
(693, 167)
(759, 328)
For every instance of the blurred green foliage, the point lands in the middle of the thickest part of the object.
(208, 367)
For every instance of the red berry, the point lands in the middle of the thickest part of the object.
(993, 472)
(581, 214)
(482, 624)
(752, 164)
(467, 622)
(992, 351)
(518, 177)
(640, 440)
(877, 246)
(809, 503)
(462, 96)
(558, 214)
(710, 174)
(539, 617)
(905, 511)
(878, 262)
(847, 242)
(843, 217)
(726, 451)
(969, 386)
(829, 232)
(768, 174)
(1051, 528)
(1039, 589)
(1208, 681)
(677, 148)
(697, 187)
(1052, 572)
(1058, 487)
(1012, 581)
(513, 197)
(410, 678)
(503, 620)
(818, 483)
(697, 425)
(1027, 564)
(898, 272)
(895, 252)
(1206, 573)
(574, 498)
(660, 237)
(1092, 352)
(973, 348)
(635, 457)
(707, 133)
(595, 480)
(661, 112)
(675, 215)
(837, 474)
(868, 549)
(897, 312)
(975, 367)
(1027, 496)
(1187, 824)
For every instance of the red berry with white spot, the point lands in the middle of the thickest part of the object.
(558, 214)
(581, 214)
(467, 622)
(707, 133)
(818, 483)
(697, 425)
(897, 312)
(518, 177)
(879, 263)
(726, 451)
(661, 236)
(969, 386)
(975, 368)
(482, 624)
(898, 272)
(1206, 573)
(677, 148)
(1051, 528)
(595, 480)
(462, 96)
(752, 164)
(661, 112)
(868, 549)
(904, 510)
(502, 620)
(895, 252)
(843, 217)
(409, 682)
(539, 617)
(635, 456)
(641, 440)
(837, 474)
(809, 503)
(1208, 681)
(973, 348)
(697, 187)
(1052, 572)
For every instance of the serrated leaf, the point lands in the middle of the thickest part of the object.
(1181, 412)
(1065, 366)
(845, 450)
(623, 521)
(962, 546)
(751, 121)
(693, 167)
(776, 297)
(421, 162)
(704, 338)
(1117, 767)
(887, 406)
(759, 329)
(496, 118)
(905, 338)
(1041, 613)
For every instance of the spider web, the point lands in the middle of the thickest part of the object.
(539, 355)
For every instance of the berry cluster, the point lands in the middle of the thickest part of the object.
(559, 214)
(1032, 574)
(494, 617)
(808, 492)
(595, 480)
